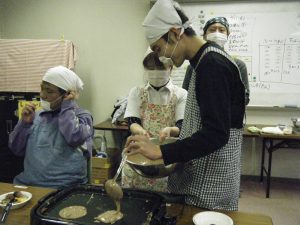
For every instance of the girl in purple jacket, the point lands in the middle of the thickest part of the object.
(57, 140)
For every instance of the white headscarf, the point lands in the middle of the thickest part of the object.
(63, 78)
(161, 18)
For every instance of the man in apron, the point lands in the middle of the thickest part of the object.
(209, 149)
(155, 110)
(217, 30)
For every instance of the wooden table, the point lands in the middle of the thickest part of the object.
(271, 143)
(21, 216)
(239, 218)
(107, 125)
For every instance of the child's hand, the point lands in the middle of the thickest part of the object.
(28, 113)
(70, 95)
(168, 132)
(145, 133)
(164, 133)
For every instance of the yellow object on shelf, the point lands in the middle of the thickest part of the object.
(23, 103)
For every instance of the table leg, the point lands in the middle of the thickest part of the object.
(262, 165)
(270, 150)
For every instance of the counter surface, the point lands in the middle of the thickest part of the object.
(21, 216)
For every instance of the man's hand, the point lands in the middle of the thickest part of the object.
(141, 144)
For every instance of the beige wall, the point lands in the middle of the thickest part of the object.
(107, 34)
(110, 42)
(1, 17)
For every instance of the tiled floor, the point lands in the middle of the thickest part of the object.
(283, 205)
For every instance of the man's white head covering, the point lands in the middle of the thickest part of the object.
(63, 78)
(148, 51)
(161, 18)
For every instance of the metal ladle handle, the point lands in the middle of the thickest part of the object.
(122, 163)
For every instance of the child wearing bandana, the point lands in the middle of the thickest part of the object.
(57, 140)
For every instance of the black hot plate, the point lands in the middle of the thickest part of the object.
(138, 207)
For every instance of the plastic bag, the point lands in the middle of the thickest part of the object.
(119, 111)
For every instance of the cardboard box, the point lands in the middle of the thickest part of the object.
(100, 175)
(103, 169)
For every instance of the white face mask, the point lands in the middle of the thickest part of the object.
(218, 38)
(165, 60)
(45, 105)
(158, 78)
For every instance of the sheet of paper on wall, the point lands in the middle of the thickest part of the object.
(23, 103)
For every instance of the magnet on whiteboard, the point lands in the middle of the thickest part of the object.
(290, 106)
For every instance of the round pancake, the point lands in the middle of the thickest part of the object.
(73, 212)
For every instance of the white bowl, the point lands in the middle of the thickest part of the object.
(16, 205)
(209, 217)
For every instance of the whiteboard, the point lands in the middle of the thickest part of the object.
(266, 36)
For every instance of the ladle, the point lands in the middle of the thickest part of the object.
(115, 192)
(112, 188)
